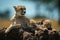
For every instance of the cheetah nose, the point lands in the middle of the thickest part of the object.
(24, 12)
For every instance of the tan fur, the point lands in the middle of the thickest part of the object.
(19, 17)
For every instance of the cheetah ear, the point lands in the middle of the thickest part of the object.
(14, 7)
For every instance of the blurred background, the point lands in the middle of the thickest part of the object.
(36, 9)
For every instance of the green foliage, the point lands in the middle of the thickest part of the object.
(37, 16)
(44, 1)
(5, 14)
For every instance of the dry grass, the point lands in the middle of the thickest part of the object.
(6, 23)
(55, 24)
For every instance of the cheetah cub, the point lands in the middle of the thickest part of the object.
(19, 18)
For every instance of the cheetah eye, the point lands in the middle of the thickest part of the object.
(24, 8)
(20, 9)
